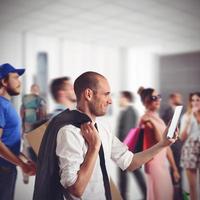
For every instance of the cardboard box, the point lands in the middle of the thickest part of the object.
(114, 191)
(35, 136)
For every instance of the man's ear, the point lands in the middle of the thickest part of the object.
(88, 93)
(4, 82)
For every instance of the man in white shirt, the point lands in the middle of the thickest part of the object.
(84, 153)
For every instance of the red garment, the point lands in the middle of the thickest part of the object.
(149, 139)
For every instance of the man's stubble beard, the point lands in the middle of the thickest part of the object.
(12, 92)
(94, 111)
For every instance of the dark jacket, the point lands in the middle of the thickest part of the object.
(127, 120)
(47, 182)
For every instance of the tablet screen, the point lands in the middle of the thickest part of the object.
(174, 122)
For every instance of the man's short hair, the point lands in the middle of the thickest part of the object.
(86, 80)
(128, 95)
(57, 85)
(175, 94)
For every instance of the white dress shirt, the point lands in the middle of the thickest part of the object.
(71, 150)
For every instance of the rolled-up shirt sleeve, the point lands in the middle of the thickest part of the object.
(120, 153)
(69, 150)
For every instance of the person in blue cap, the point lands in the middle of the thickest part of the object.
(10, 133)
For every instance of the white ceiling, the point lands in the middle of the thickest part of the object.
(168, 26)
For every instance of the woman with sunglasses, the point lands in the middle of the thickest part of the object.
(159, 183)
(190, 134)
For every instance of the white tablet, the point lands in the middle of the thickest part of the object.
(174, 122)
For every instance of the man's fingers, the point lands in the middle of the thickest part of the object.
(87, 127)
(84, 126)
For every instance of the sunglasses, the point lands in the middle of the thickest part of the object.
(155, 97)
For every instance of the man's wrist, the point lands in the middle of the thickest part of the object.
(21, 163)
(93, 148)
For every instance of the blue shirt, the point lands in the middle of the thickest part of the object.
(11, 124)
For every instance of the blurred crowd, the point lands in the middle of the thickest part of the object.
(163, 175)
(183, 156)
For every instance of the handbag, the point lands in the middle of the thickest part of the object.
(134, 139)
(140, 141)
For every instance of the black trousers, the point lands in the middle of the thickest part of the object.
(7, 183)
(139, 179)
(176, 150)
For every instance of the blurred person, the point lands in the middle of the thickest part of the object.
(175, 99)
(62, 91)
(10, 133)
(75, 162)
(32, 111)
(190, 134)
(128, 119)
(159, 183)
(33, 108)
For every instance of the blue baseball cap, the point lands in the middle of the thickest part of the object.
(6, 68)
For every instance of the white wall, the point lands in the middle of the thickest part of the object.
(34, 45)
(80, 57)
(70, 58)
(142, 70)
(11, 51)
(11, 48)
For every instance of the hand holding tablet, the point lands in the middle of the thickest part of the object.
(174, 121)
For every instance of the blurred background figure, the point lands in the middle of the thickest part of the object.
(175, 99)
(128, 119)
(62, 91)
(159, 183)
(33, 110)
(190, 134)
